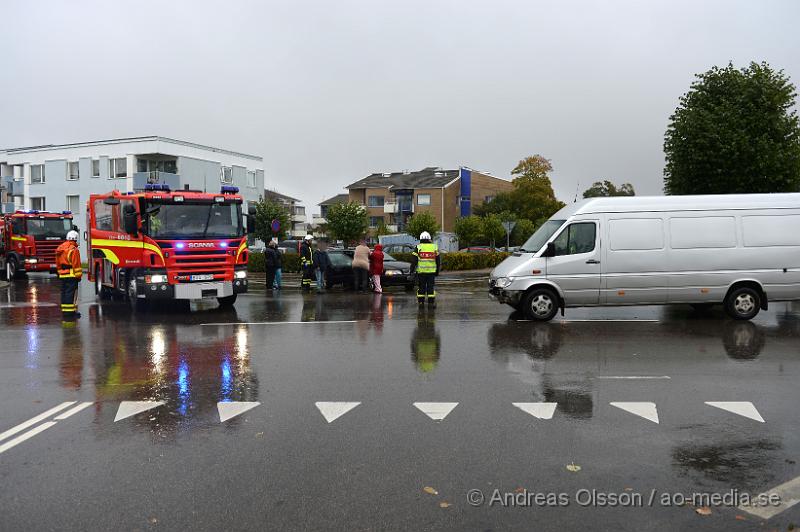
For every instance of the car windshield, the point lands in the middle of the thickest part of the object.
(541, 236)
(386, 256)
(48, 227)
(198, 220)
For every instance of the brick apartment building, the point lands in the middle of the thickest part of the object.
(392, 198)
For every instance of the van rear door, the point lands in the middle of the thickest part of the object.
(575, 268)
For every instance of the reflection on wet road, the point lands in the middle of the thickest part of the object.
(259, 402)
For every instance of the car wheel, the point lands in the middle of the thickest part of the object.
(743, 303)
(227, 301)
(540, 304)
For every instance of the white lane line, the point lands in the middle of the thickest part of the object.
(27, 305)
(789, 494)
(610, 321)
(334, 410)
(742, 408)
(633, 377)
(131, 408)
(538, 410)
(22, 437)
(231, 409)
(436, 411)
(71, 411)
(275, 323)
(645, 410)
(34, 420)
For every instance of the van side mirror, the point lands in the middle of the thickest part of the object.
(550, 250)
(130, 222)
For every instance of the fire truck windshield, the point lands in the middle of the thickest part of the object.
(194, 220)
(48, 227)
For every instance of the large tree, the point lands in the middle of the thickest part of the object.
(607, 188)
(268, 210)
(347, 221)
(422, 221)
(735, 131)
(469, 230)
(493, 229)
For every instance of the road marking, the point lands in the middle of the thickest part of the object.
(236, 323)
(611, 321)
(22, 437)
(34, 420)
(71, 411)
(436, 411)
(645, 410)
(789, 494)
(22, 304)
(334, 410)
(743, 408)
(231, 409)
(538, 410)
(633, 377)
(131, 408)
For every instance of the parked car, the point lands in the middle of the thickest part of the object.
(289, 246)
(477, 249)
(395, 272)
(399, 248)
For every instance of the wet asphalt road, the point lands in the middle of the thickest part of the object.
(384, 464)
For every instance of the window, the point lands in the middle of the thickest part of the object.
(703, 232)
(38, 204)
(765, 231)
(73, 171)
(251, 179)
(37, 173)
(375, 201)
(19, 202)
(103, 216)
(141, 165)
(375, 221)
(73, 204)
(118, 168)
(423, 199)
(227, 174)
(636, 234)
(577, 238)
(95, 167)
(487, 199)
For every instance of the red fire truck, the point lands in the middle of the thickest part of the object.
(28, 241)
(159, 245)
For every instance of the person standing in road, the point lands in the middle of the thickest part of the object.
(361, 267)
(376, 267)
(68, 263)
(307, 263)
(427, 266)
(321, 262)
(272, 263)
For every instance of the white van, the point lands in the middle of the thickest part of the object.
(741, 251)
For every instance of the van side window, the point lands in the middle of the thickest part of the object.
(577, 238)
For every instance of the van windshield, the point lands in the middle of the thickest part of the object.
(541, 236)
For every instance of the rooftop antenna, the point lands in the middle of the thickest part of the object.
(577, 187)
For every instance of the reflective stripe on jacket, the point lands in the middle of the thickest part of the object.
(68, 260)
(426, 254)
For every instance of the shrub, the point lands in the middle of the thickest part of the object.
(290, 263)
(458, 261)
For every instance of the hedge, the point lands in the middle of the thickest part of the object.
(290, 262)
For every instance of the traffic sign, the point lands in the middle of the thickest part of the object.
(276, 225)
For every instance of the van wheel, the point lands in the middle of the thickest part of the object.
(227, 302)
(743, 303)
(540, 304)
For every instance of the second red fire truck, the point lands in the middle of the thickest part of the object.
(28, 241)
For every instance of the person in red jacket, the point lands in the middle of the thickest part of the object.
(376, 267)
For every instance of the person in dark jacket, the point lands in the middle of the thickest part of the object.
(272, 263)
(307, 263)
(321, 262)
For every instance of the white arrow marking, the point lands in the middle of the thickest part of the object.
(538, 410)
(645, 410)
(131, 408)
(231, 409)
(743, 408)
(436, 411)
(334, 410)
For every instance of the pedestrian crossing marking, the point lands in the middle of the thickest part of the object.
(230, 409)
(742, 408)
(436, 411)
(645, 409)
(131, 408)
(538, 410)
(331, 411)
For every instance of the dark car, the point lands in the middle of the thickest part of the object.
(399, 248)
(395, 272)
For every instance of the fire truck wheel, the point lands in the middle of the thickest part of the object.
(227, 302)
(137, 304)
(12, 271)
(99, 290)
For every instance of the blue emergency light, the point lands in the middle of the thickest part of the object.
(157, 187)
(66, 212)
(227, 189)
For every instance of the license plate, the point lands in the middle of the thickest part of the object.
(202, 277)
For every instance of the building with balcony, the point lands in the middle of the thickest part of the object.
(58, 177)
(297, 213)
(392, 198)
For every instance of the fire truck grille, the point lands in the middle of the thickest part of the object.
(46, 251)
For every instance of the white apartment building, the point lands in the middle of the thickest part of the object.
(59, 177)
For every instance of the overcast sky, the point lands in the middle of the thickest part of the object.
(330, 91)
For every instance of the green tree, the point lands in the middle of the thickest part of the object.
(493, 229)
(469, 230)
(607, 188)
(266, 211)
(522, 231)
(382, 230)
(422, 221)
(347, 221)
(735, 131)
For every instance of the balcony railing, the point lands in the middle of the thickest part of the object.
(390, 208)
(391, 228)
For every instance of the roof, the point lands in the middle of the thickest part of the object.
(272, 194)
(149, 138)
(431, 177)
(681, 203)
(338, 198)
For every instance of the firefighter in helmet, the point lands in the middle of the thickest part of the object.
(307, 263)
(68, 263)
(427, 267)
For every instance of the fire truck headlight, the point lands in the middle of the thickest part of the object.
(31, 261)
(158, 278)
(241, 274)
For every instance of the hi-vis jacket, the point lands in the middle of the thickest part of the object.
(68, 260)
(427, 257)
